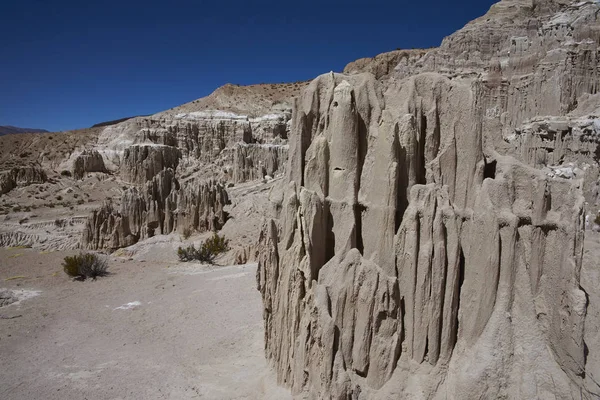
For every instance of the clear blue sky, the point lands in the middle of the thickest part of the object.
(70, 64)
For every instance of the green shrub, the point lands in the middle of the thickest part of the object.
(207, 252)
(85, 265)
(216, 244)
(597, 220)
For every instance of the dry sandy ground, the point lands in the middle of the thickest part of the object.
(151, 330)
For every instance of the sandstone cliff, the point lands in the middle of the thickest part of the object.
(427, 246)
(161, 206)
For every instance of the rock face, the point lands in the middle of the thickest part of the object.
(151, 151)
(255, 161)
(88, 161)
(414, 257)
(21, 176)
(384, 64)
(141, 163)
(532, 57)
(161, 206)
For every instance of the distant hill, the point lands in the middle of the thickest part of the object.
(116, 121)
(8, 130)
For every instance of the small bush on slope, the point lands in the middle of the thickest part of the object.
(85, 265)
(207, 252)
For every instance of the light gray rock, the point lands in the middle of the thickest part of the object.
(412, 260)
(142, 162)
(161, 206)
(21, 176)
(88, 161)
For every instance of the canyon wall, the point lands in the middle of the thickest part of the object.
(430, 243)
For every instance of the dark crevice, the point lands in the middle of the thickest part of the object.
(363, 135)
(402, 200)
(330, 239)
(401, 180)
(414, 282)
(436, 134)
(421, 176)
(489, 171)
(461, 280)
(359, 210)
(306, 132)
(586, 350)
(443, 294)
(403, 317)
(400, 302)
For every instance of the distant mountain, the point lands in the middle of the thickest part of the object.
(116, 121)
(8, 130)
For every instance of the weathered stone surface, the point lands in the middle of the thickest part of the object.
(161, 206)
(142, 162)
(255, 161)
(88, 161)
(201, 137)
(21, 176)
(384, 64)
(412, 260)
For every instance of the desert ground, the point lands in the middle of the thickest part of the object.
(154, 328)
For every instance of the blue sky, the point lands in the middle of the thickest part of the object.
(70, 64)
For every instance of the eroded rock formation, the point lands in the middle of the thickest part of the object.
(21, 176)
(415, 258)
(255, 161)
(161, 206)
(88, 161)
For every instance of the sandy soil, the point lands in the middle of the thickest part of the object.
(153, 329)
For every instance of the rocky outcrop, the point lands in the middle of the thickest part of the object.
(201, 136)
(556, 140)
(21, 176)
(163, 205)
(530, 57)
(408, 249)
(88, 161)
(384, 64)
(255, 161)
(143, 162)
(55, 234)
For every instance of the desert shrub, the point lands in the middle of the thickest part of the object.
(59, 197)
(207, 252)
(190, 253)
(216, 244)
(66, 173)
(85, 265)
